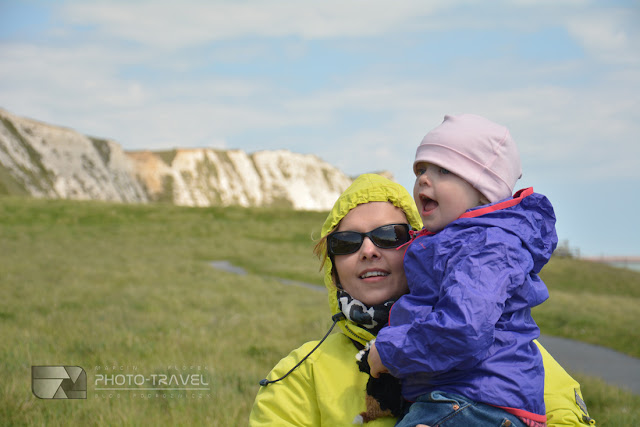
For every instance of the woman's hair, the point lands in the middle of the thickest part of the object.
(320, 249)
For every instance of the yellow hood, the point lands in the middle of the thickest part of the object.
(366, 188)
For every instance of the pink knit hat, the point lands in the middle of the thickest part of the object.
(477, 150)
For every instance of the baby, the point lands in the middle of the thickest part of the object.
(461, 341)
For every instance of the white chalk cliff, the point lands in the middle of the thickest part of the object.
(48, 161)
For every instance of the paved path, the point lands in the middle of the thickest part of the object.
(614, 368)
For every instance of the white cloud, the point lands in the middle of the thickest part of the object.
(167, 24)
(82, 84)
(612, 36)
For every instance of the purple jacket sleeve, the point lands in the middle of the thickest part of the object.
(461, 285)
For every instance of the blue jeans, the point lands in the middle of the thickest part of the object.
(448, 409)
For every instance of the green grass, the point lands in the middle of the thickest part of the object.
(100, 285)
(610, 406)
(592, 302)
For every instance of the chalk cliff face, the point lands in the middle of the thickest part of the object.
(204, 177)
(41, 160)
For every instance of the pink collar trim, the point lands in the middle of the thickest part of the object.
(517, 198)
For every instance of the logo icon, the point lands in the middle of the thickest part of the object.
(59, 382)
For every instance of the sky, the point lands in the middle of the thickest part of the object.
(357, 83)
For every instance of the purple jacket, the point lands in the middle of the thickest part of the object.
(466, 325)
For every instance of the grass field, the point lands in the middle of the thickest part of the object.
(129, 287)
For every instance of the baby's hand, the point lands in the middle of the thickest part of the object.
(375, 363)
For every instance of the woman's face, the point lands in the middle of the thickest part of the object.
(371, 274)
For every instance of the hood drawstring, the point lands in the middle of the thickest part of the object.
(414, 234)
(419, 233)
(336, 318)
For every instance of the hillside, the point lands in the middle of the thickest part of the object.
(98, 284)
(47, 161)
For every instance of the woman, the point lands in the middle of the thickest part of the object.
(364, 274)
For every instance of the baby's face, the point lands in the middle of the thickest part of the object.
(442, 196)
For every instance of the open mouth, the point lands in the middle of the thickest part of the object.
(428, 204)
(375, 273)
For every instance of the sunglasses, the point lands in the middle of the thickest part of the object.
(385, 237)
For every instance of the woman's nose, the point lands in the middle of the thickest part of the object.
(368, 249)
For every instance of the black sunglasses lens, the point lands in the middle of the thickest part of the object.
(386, 237)
(390, 236)
(346, 242)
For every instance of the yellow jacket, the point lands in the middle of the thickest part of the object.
(327, 389)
